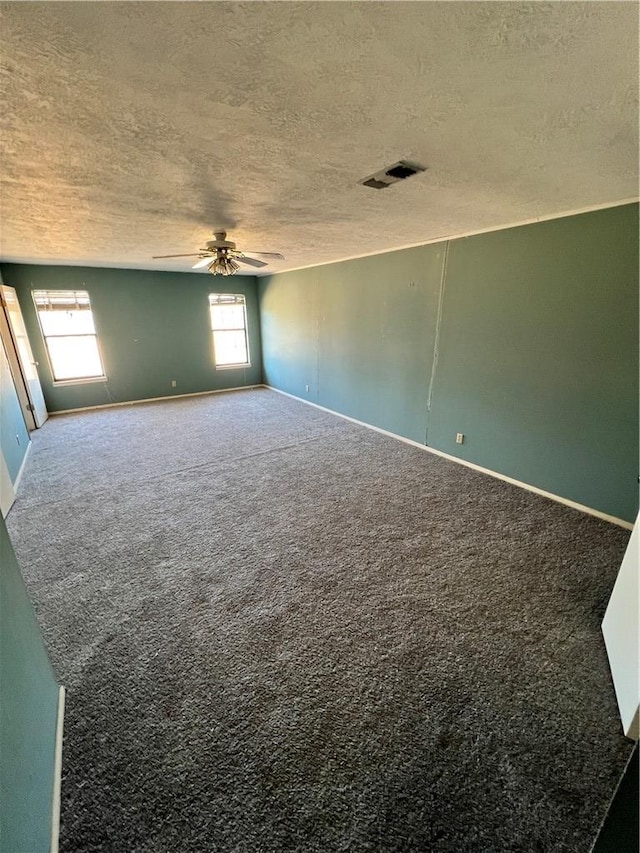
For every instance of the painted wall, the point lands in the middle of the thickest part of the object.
(537, 356)
(28, 716)
(360, 334)
(153, 327)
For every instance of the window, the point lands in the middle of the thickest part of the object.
(67, 327)
(229, 327)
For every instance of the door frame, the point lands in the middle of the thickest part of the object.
(22, 389)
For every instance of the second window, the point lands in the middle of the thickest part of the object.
(229, 326)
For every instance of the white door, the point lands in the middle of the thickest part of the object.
(35, 408)
(620, 629)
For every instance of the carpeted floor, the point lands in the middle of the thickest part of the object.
(280, 631)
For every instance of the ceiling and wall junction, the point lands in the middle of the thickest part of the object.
(136, 129)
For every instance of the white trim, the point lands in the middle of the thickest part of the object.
(457, 236)
(22, 466)
(154, 399)
(86, 380)
(620, 629)
(57, 774)
(11, 354)
(558, 498)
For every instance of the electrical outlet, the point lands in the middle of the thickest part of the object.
(459, 438)
(173, 383)
(306, 388)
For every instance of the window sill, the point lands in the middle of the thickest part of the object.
(232, 366)
(83, 381)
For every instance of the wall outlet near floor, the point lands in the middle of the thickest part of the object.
(173, 383)
(306, 388)
(459, 438)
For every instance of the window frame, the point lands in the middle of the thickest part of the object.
(80, 380)
(236, 365)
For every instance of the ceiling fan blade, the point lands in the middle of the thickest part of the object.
(191, 255)
(269, 255)
(253, 262)
(203, 262)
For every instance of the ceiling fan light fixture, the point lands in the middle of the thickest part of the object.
(221, 257)
(223, 265)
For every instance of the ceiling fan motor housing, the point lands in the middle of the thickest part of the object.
(220, 242)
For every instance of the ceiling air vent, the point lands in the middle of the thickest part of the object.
(392, 174)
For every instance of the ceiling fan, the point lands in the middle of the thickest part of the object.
(222, 258)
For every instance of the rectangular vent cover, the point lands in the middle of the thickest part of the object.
(400, 171)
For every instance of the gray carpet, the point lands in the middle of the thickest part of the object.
(283, 632)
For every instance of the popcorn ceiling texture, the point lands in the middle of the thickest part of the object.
(133, 129)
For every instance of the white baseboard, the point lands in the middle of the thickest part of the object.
(57, 774)
(22, 466)
(153, 399)
(612, 519)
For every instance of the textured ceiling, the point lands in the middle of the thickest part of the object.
(134, 129)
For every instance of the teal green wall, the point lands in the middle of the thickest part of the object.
(537, 349)
(28, 717)
(153, 327)
(539, 357)
(360, 334)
